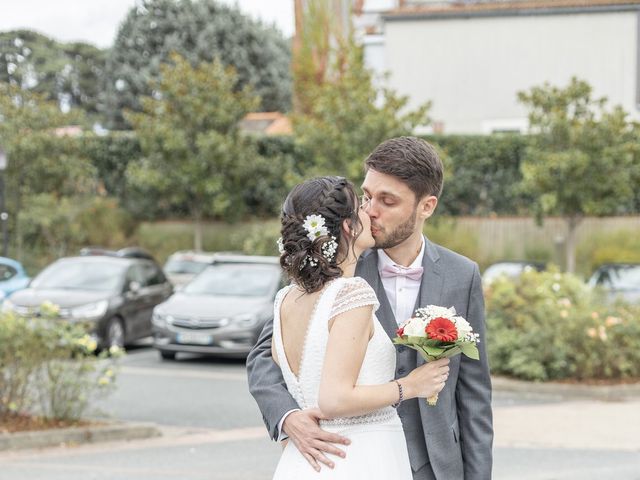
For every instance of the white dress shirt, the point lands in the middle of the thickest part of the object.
(402, 292)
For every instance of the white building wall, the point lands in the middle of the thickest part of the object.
(472, 68)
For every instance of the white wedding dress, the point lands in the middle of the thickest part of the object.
(378, 448)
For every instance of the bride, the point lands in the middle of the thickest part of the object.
(333, 352)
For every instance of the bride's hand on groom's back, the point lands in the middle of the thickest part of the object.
(313, 442)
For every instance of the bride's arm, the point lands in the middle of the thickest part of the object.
(339, 395)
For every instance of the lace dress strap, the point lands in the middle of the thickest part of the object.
(354, 293)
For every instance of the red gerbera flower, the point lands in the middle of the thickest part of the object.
(442, 329)
(400, 332)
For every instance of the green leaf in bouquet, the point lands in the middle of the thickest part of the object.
(425, 355)
(433, 351)
(453, 351)
(470, 350)
(399, 340)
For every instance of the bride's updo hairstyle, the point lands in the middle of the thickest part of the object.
(335, 199)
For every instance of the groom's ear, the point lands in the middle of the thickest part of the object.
(426, 206)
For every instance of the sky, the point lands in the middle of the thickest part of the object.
(96, 21)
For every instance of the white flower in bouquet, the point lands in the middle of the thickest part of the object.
(465, 330)
(414, 327)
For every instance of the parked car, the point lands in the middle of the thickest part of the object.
(113, 291)
(510, 269)
(618, 280)
(181, 267)
(12, 277)
(222, 310)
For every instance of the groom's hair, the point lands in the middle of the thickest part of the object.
(411, 160)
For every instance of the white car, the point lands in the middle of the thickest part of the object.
(509, 269)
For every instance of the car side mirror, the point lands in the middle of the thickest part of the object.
(134, 287)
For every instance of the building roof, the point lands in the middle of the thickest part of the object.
(267, 123)
(508, 8)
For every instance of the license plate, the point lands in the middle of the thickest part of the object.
(194, 339)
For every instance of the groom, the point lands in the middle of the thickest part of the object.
(452, 440)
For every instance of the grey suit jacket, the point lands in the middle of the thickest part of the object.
(456, 435)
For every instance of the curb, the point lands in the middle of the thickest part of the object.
(77, 436)
(609, 393)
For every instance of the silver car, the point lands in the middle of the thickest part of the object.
(221, 311)
(181, 267)
(618, 280)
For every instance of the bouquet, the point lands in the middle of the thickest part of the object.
(437, 332)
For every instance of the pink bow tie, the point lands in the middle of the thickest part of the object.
(390, 271)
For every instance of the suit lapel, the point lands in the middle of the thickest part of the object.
(368, 269)
(430, 287)
(432, 281)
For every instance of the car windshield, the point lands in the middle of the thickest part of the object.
(499, 269)
(622, 277)
(238, 280)
(184, 266)
(82, 275)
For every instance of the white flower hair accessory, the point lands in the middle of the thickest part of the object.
(315, 227)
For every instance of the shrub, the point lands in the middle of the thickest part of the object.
(48, 367)
(551, 326)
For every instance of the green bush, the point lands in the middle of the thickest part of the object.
(551, 326)
(612, 247)
(49, 368)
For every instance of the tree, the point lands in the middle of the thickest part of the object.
(341, 115)
(585, 159)
(71, 74)
(41, 161)
(193, 151)
(200, 31)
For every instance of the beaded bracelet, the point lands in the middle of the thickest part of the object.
(401, 396)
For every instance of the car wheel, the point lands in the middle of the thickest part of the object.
(114, 333)
(168, 355)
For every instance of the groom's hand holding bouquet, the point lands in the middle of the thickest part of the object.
(437, 332)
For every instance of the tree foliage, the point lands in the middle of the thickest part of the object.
(483, 175)
(45, 169)
(341, 115)
(585, 159)
(194, 154)
(39, 159)
(200, 31)
(70, 74)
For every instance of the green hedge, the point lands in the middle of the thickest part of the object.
(483, 174)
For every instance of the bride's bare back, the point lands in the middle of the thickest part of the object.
(295, 314)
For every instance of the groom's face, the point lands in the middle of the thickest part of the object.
(392, 207)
